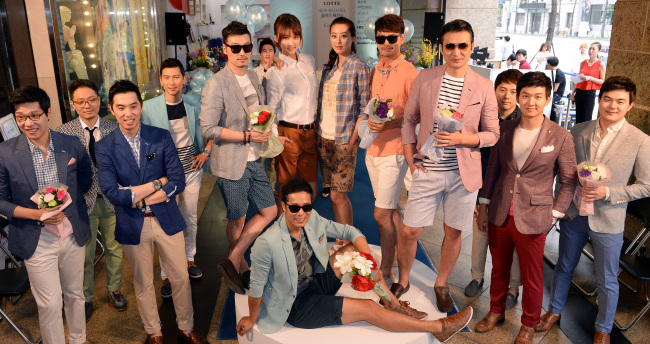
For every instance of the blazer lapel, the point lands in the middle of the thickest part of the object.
(25, 160)
(468, 87)
(62, 158)
(586, 140)
(544, 135)
(615, 146)
(79, 131)
(287, 247)
(508, 138)
(124, 149)
(235, 86)
(145, 148)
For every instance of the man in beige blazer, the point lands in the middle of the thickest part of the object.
(519, 190)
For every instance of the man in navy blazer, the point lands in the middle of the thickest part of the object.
(55, 265)
(140, 174)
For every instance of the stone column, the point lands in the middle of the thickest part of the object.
(629, 55)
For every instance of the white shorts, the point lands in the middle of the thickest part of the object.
(431, 188)
(387, 176)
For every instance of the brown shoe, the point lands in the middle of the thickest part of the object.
(454, 323)
(230, 275)
(405, 309)
(443, 299)
(398, 290)
(155, 340)
(487, 324)
(601, 338)
(525, 335)
(193, 337)
(547, 321)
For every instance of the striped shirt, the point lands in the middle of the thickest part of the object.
(46, 171)
(450, 93)
(180, 130)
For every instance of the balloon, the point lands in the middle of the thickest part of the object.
(250, 26)
(198, 78)
(235, 10)
(194, 84)
(257, 15)
(388, 7)
(409, 29)
(371, 61)
(197, 91)
(208, 73)
(369, 27)
(248, 2)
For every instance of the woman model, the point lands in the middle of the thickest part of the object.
(541, 57)
(592, 74)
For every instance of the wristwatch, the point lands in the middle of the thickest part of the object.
(157, 184)
(206, 153)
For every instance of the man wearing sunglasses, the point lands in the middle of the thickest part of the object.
(455, 179)
(224, 118)
(294, 279)
(90, 128)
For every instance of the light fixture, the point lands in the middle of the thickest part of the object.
(93, 65)
(92, 56)
(87, 23)
(86, 13)
(91, 45)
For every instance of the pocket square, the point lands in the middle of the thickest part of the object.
(72, 161)
(547, 149)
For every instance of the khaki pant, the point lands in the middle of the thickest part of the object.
(479, 253)
(172, 254)
(55, 268)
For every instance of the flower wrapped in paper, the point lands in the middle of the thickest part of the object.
(262, 118)
(449, 120)
(379, 110)
(360, 266)
(591, 175)
(54, 199)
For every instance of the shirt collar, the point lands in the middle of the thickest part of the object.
(84, 125)
(288, 60)
(132, 139)
(613, 129)
(393, 64)
(50, 147)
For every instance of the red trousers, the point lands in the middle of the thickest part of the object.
(530, 248)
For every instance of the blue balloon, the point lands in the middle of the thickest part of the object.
(257, 15)
(199, 78)
(235, 10)
(208, 73)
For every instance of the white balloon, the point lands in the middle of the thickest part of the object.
(251, 27)
(389, 7)
(257, 15)
(369, 27)
(208, 73)
(235, 10)
(199, 78)
(409, 30)
(197, 91)
(248, 2)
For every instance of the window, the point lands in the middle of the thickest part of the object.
(596, 14)
(520, 19)
(569, 19)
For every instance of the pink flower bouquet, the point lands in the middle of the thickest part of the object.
(54, 199)
(591, 175)
(448, 119)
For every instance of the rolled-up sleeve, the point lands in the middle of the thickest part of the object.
(212, 106)
(489, 134)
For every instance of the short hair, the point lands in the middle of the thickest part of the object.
(614, 83)
(235, 28)
(583, 45)
(553, 61)
(534, 79)
(507, 38)
(512, 57)
(600, 46)
(79, 83)
(29, 94)
(389, 23)
(510, 76)
(295, 186)
(286, 22)
(172, 63)
(123, 86)
(521, 51)
(457, 25)
(265, 41)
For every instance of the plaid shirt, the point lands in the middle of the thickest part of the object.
(134, 142)
(46, 172)
(352, 95)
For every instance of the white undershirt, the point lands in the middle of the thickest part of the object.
(327, 125)
(523, 143)
(251, 99)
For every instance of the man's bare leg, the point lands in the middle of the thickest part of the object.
(240, 239)
(387, 237)
(406, 247)
(451, 245)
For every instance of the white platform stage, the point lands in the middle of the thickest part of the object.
(421, 296)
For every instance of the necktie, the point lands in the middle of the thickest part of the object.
(91, 144)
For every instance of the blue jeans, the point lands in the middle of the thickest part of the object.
(607, 250)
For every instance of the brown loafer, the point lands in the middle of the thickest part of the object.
(443, 299)
(193, 337)
(601, 338)
(398, 290)
(487, 324)
(525, 335)
(230, 275)
(155, 340)
(547, 321)
(454, 323)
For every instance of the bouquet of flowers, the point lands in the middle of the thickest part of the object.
(54, 199)
(421, 56)
(201, 57)
(590, 175)
(448, 119)
(262, 118)
(360, 266)
(379, 110)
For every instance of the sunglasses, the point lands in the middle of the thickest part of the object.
(237, 48)
(294, 208)
(392, 39)
(452, 46)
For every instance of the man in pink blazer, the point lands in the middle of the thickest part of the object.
(454, 179)
(519, 190)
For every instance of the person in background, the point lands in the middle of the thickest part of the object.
(507, 49)
(343, 95)
(90, 128)
(170, 111)
(559, 84)
(592, 74)
(577, 60)
(521, 58)
(511, 62)
(505, 89)
(542, 55)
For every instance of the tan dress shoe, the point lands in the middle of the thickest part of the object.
(601, 338)
(491, 319)
(547, 321)
(525, 335)
(443, 299)
(454, 323)
(193, 337)
(155, 340)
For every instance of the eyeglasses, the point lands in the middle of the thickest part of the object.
(392, 39)
(237, 48)
(33, 117)
(452, 46)
(294, 208)
(90, 101)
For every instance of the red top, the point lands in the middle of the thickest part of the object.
(594, 71)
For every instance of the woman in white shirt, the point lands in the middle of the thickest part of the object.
(541, 57)
(293, 92)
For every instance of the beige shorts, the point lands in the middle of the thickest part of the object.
(387, 177)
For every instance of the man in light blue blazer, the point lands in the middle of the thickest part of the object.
(33, 161)
(173, 111)
(625, 150)
(293, 275)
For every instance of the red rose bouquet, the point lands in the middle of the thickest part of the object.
(360, 266)
(262, 119)
(54, 199)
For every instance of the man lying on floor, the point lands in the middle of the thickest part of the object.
(292, 275)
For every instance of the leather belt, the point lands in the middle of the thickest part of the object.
(149, 214)
(298, 126)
